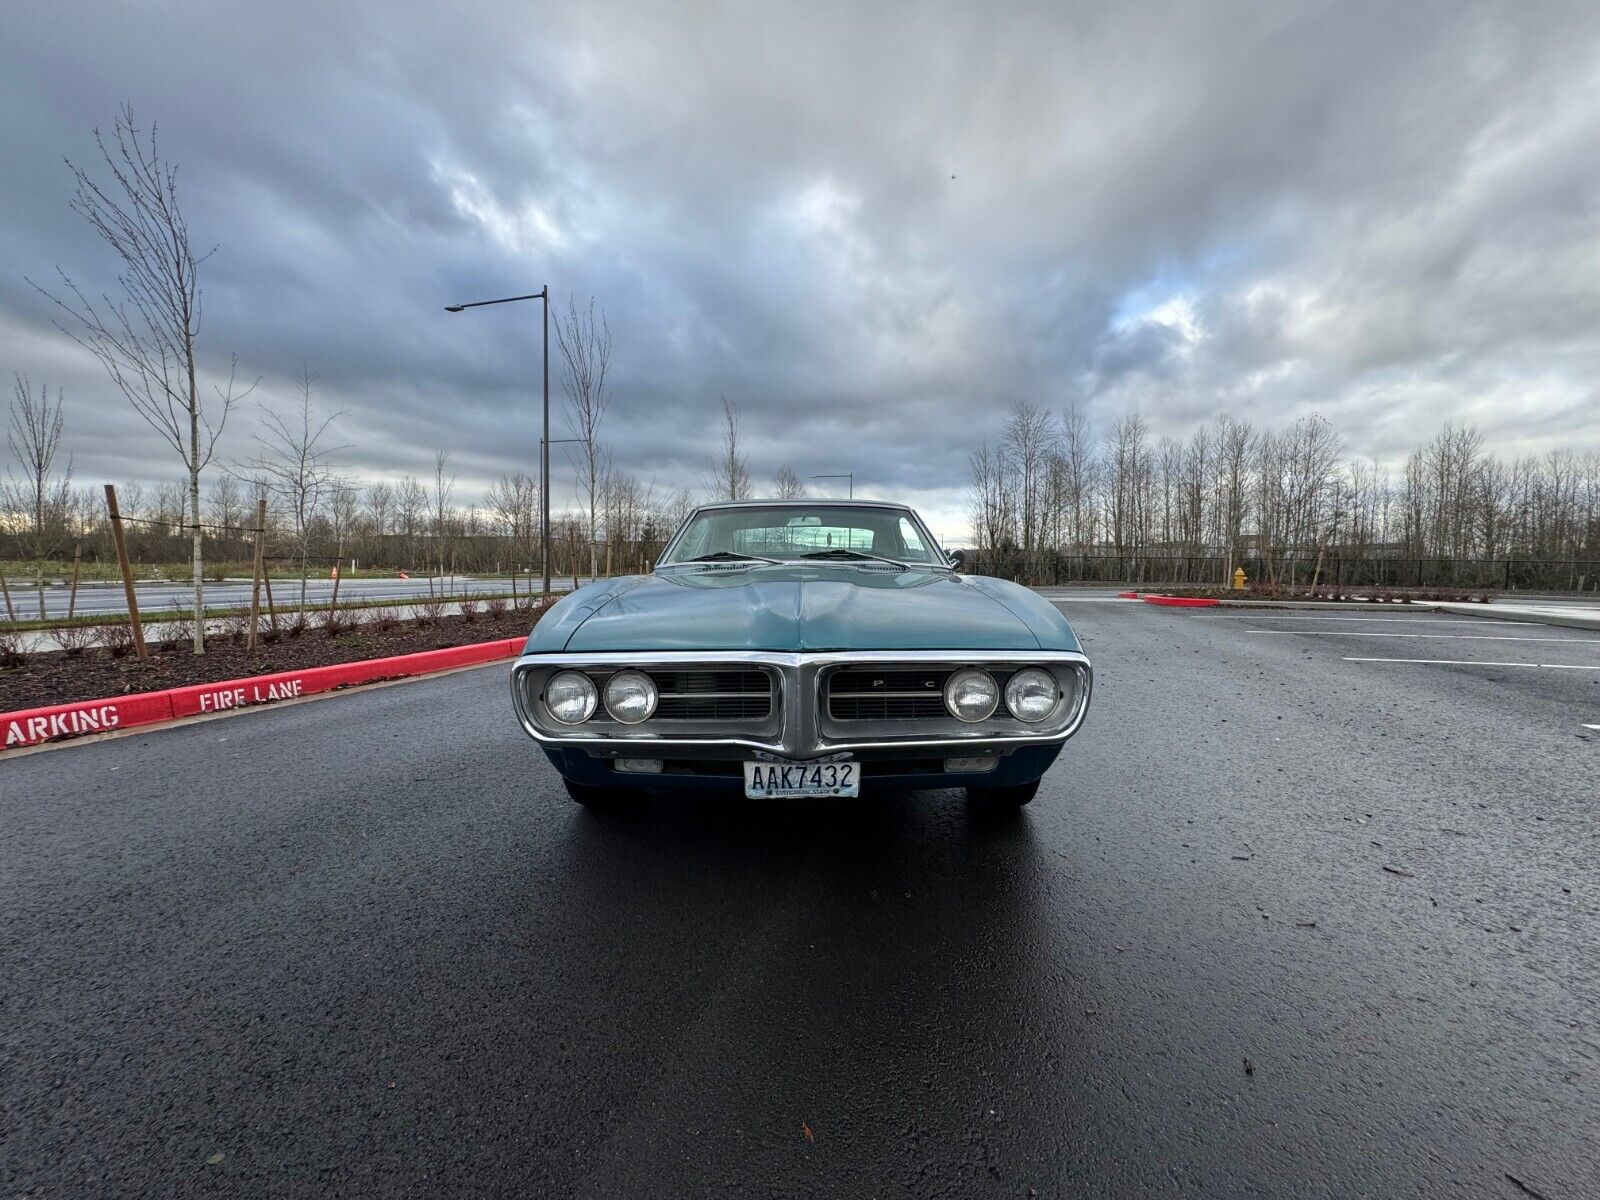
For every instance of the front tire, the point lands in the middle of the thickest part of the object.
(1008, 796)
(600, 798)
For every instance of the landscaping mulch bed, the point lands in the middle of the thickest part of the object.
(56, 678)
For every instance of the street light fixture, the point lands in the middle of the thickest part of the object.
(850, 475)
(544, 442)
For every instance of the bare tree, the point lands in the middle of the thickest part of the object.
(514, 503)
(1197, 467)
(169, 501)
(344, 504)
(730, 474)
(585, 341)
(410, 514)
(42, 495)
(224, 505)
(1168, 465)
(147, 341)
(294, 466)
(1128, 458)
(993, 514)
(1027, 442)
(678, 508)
(379, 509)
(1235, 446)
(786, 484)
(628, 504)
(444, 490)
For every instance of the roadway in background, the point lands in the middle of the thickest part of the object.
(157, 598)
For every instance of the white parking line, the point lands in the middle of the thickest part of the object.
(1456, 637)
(1592, 726)
(1473, 662)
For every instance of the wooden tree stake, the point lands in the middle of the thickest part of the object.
(272, 612)
(72, 596)
(255, 573)
(134, 622)
(333, 604)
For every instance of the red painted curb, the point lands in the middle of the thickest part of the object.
(1127, 595)
(33, 726)
(1182, 601)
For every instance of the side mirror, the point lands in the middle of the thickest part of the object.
(958, 559)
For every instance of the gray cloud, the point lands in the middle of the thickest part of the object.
(873, 226)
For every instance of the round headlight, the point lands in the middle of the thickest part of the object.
(630, 697)
(570, 696)
(1031, 694)
(971, 694)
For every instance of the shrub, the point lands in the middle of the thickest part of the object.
(333, 622)
(74, 639)
(469, 610)
(430, 610)
(116, 639)
(11, 654)
(297, 625)
(176, 632)
(262, 627)
(496, 607)
(383, 617)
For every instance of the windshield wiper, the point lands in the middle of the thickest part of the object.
(843, 555)
(729, 556)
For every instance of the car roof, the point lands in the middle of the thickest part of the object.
(805, 501)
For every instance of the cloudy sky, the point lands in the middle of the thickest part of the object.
(874, 226)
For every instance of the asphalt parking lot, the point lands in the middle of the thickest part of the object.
(1311, 907)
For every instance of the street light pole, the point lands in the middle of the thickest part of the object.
(544, 442)
(544, 455)
(850, 475)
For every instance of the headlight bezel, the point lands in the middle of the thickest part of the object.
(591, 697)
(650, 690)
(1021, 679)
(974, 675)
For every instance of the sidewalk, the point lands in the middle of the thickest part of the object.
(1572, 615)
(41, 641)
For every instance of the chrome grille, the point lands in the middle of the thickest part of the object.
(869, 694)
(729, 695)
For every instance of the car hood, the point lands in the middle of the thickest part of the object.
(794, 608)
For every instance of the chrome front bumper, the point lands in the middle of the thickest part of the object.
(798, 728)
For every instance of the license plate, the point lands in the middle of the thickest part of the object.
(768, 780)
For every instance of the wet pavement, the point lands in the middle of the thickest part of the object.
(1311, 907)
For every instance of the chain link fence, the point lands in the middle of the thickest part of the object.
(1050, 567)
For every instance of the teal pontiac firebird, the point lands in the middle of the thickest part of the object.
(802, 648)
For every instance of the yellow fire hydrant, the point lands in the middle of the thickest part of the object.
(1238, 579)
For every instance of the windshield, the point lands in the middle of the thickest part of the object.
(788, 532)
